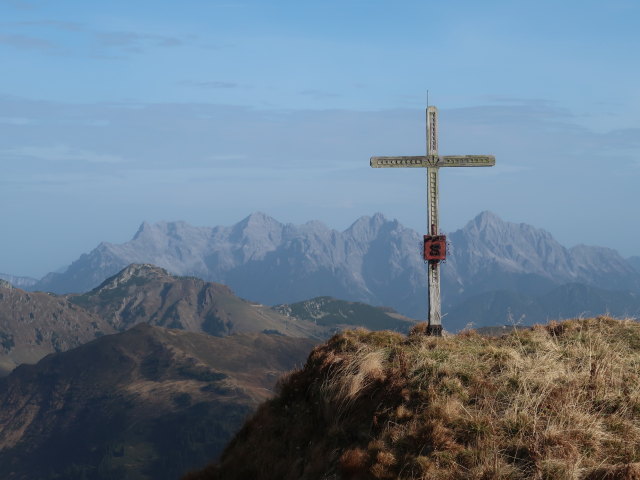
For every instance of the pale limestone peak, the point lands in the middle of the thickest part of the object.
(135, 270)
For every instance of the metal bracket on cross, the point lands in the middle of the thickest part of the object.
(434, 243)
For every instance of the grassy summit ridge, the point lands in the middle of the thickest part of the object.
(560, 401)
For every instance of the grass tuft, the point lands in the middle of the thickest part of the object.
(559, 401)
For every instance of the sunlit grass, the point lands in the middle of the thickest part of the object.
(560, 401)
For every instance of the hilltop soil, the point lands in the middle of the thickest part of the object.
(555, 402)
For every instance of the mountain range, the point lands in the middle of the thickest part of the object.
(375, 261)
(571, 300)
(34, 324)
(149, 294)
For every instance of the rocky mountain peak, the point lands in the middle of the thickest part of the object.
(5, 284)
(259, 220)
(256, 224)
(134, 271)
(160, 233)
(368, 227)
(257, 234)
(315, 226)
(485, 219)
(488, 224)
(143, 229)
(491, 229)
(378, 218)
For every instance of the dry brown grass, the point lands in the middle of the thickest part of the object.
(560, 401)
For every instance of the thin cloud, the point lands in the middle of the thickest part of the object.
(519, 100)
(318, 94)
(102, 44)
(498, 169)
(624, 138)
(214, 84)
(15, 121)
(62, 153)
(37, 181)
(227, 158)
(538, 115)
(25, 42)
(60, 25)
(135, 41)
(19, 4)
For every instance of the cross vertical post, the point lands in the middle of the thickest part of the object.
(434, 319)
(434, 243)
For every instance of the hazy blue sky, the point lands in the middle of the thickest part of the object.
(113, 113)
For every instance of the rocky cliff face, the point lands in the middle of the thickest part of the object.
(635, 263)
(375, 260)
(20, 282)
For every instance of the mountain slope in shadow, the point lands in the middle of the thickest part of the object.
(144, 404)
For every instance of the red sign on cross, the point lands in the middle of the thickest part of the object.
(435, 247)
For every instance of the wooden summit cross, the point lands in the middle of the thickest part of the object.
(434, 243)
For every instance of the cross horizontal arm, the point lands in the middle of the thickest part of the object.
(442, 161)
(398, 162)
(467, 161)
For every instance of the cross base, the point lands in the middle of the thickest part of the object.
(434, 330)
